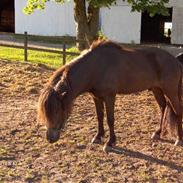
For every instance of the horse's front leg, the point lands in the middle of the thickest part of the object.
(109, 103)
(99, 105)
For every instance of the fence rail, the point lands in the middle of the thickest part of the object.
(25, 46)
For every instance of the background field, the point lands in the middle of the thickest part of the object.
(53, 60)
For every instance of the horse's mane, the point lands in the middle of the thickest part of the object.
(49, 101)
(57, 75)
(104, 43)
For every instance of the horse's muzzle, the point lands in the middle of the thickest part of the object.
(52, 135)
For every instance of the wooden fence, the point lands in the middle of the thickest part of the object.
(26, 47)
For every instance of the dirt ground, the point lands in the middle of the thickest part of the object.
(26, 156)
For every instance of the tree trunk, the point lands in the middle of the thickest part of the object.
(87, 23)
(81, 22)
(93, 23)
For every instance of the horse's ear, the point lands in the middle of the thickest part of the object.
(62, 95)
(61, 87)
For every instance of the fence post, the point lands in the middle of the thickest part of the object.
(25, 46)
(64, 53)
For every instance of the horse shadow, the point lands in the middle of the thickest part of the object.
(142, 156)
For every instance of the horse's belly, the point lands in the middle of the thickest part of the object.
(125, 90)
(136, 85)
(125, 83)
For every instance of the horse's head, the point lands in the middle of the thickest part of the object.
(53, 109)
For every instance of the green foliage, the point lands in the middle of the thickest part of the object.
(102, 3)
(37, 4)
(151, 6)
(101, 35)
(34, 4)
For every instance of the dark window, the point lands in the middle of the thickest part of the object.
(7, 16)
(154, 29)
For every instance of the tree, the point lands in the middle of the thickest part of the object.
(87, 19)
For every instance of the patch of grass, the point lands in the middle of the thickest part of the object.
(3, 151)
(29, 176)
(3, 173)
(44, 179)
(50, 59)
(12, 173)
(143, 175)
(163, 181)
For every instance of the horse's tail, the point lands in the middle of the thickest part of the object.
(170, 120)
(180, 84)
(180, 89)
(179, 57)
(170, 115)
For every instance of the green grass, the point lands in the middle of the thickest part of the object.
(50, 59)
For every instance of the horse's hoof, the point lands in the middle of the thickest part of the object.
(96, 140)
(155, 136)
(178, 143)
(107, 148)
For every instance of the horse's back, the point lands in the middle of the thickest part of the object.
(132, 70)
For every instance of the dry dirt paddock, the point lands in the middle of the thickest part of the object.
(25, 155)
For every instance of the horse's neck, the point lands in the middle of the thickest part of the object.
(79, 79)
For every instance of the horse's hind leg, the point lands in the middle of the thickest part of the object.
(109, 104)
(99, 105)
(175, 104)
(161, 100)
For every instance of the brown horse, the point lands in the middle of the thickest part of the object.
(107, 69)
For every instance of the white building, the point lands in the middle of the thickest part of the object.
(55, 20)
(118, 23)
